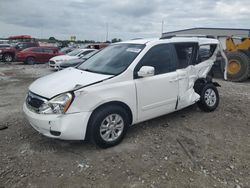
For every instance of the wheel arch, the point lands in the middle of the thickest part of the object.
(30, 56)
(12, 54)
(199, 83)
(117, 103)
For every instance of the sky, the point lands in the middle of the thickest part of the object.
(125, 19)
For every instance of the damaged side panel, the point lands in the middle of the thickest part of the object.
(189, 75)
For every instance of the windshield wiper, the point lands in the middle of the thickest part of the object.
(88, 70)
(98, 72)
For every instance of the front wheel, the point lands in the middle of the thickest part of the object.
(108, 126)
(209, 98)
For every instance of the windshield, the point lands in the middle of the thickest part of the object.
(64, 50)
(112, 60)
(74, 52)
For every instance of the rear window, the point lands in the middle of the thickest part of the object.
(184, 52)
(205, 52)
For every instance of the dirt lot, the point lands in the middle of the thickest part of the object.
(188, 148)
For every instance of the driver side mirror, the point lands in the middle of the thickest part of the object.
(146, 71)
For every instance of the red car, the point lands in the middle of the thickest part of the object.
(8, 52)
(37, 54)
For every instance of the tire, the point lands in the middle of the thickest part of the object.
(209, 98)
(8, 58)
(30, 60)
(242, 61)
(101, 119)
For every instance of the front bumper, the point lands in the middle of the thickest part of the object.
(54, 65)
(64, 126)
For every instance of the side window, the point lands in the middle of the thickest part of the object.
(37, 50)
(161, 57)
(48, 51)
(205, 52)
(21, 46)
(30, 45)
(185, 54)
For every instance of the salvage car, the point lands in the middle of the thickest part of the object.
(55, 62)
(76, 62)
(37, 54)
(122, 85)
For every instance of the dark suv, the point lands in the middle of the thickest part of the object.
(8, 52)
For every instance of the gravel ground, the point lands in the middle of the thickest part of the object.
(188, 148)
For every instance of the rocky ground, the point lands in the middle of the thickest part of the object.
(188, 148)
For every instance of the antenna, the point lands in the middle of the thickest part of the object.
(107, 31)
(162, 25)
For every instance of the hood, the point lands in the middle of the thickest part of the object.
(63, 81)
(74, 61)
(63, 57)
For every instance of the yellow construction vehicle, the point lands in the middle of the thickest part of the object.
(238, 54)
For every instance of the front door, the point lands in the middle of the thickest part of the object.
(157, 95)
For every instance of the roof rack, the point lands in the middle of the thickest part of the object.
(199, 36)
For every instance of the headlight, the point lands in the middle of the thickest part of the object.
(0, 51)
(57, 105)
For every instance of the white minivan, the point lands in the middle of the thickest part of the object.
(124, 84)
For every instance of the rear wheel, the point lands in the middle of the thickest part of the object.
(8, 58)
(238, 66)
(30, 60)
(209, 98)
